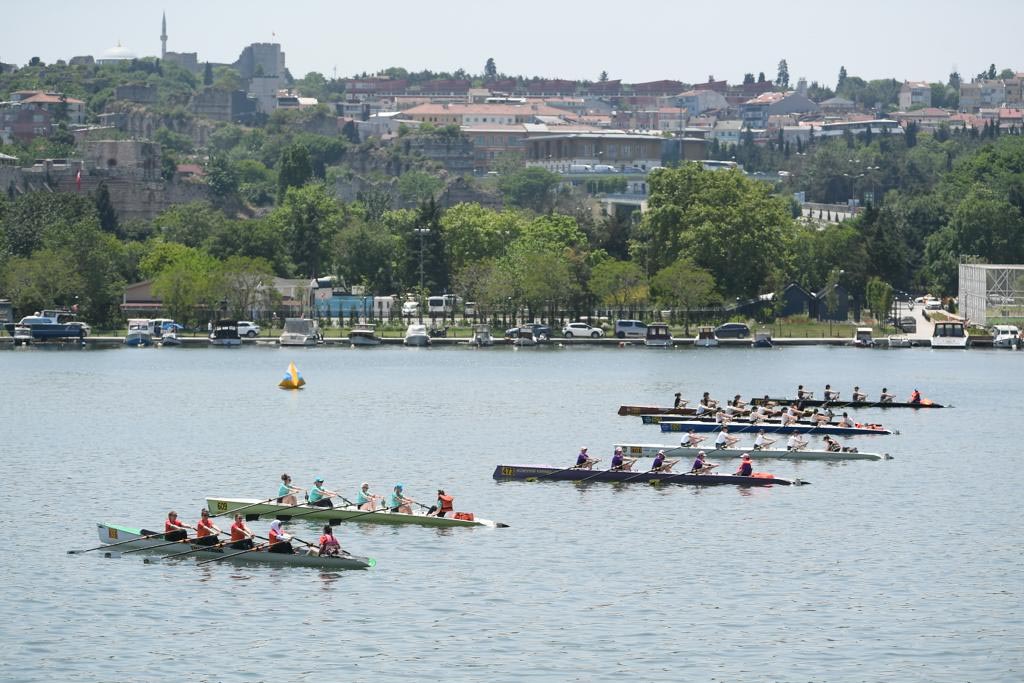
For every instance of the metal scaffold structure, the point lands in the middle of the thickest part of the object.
(991, 293)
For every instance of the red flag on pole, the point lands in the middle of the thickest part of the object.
(78, 180)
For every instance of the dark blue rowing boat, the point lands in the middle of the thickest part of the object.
(546, 472)
(773, 428)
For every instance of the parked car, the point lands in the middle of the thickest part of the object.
(247, 328)
(630, 328)
(86, 330)
(581, 330)
(732, 331)
(539, 330)
(908, 324)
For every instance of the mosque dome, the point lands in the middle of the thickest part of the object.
(117, 53)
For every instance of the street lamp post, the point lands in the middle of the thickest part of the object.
(421, 232)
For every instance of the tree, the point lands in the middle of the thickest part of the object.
(368, 254)
(761, 77)
(474, 233)
(189, 224)
(842, 78)
(244, 283)
(954, 81)
(418, 186)
(879, 297)
(619, 284)
(221, 177)
(748, 78)
(208, 74)
(529, 188)
(309, 217)
(684, 286)
(490, 69)
(293, 169)
(991, 73)
(782, 79)
(603, 78)
(105, 209)
(186, 283)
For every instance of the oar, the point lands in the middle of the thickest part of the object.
(230, 555)
(275, 513)
(550, 474)
(246, 507)
(111, 545)
(600, 473)
(159, 545)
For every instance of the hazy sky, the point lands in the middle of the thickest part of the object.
(688, 41)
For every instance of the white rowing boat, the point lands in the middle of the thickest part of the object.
(336, 515)
(114, 533)
(649, 450)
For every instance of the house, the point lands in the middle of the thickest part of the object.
(727, 132)
(755, 112)
(926, 119)
(982, 93)
(797, 301)
(838, 310)
(464, 114)
(560, 152)
(915, 95)
(699, 101)
(837, 106)
(54, 103)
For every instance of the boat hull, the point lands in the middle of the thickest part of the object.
(546, 472)
(289, 339)
(649, 450)
(772, 428)
(417, 340)
(222, 506)
(138, 339)
(363, 340)
(818, 403)
(655, 410)
(113, 533)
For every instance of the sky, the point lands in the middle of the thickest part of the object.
(659, 39)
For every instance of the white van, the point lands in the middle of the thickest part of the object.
(580, 168)
(410, 308)
(605, 168)
(630, 328)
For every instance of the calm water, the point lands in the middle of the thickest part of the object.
(903, 570)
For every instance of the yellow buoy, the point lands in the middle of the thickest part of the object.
(292, 378)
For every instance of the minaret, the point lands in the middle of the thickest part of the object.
(163, 37)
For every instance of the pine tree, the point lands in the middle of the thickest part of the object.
(603, 78)
(782, 80)
(842, 78)
(208, 74)
(748, 79)
(760, 77)
(490, 69)
(105, 209)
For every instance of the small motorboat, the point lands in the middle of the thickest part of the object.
(364, 334)
(899, 341)
(416, 335)
(481, 336)
(140, 332)
(299, 332)
(165, 332)
(658, 336)
(225, 333)
(862, 338)
(706, 337)
(762, 340)
(1005, 336)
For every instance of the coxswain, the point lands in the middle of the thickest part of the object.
(701, 466)
(886, 397)
(319, 496)
(762, 442)
(241, 534)
(802, 394)
(831, 445)
(286, 492)
(845, 420)
(584, 461)
(679, 402)
(366, 500)
(746, 468)
(278, 540)
(724, 439)
(795, 443)
(620, 462)
(691, 440)
(915, 397)
(174, 528)
(206, 530)
(829, 394)
(858, 395)
(397, 502)
(445, 504)
(329, 546)
(661, 464)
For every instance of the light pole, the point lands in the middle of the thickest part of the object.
(421, 232)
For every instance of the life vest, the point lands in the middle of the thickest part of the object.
(446, 503)
(329, 545)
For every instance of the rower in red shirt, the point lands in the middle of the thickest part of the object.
(329, 546)
(206, 530)
(174, 528)
(241, 534)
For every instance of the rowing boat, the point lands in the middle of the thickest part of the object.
(772, 428)
(114, 533)
(819, 403)
(337, 515)
(655, 410)
(649, 450)
(547, 472)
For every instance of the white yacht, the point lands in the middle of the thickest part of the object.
(862, 338)
(416, 335)
(706, 337)
(140, 332)
(658, 336)
(299, 332)
(364, 334)
(1005, 336)
(950, 334)
(481, 336)
(225, 333)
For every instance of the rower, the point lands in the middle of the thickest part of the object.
(279, 541)
(206, 530)
(886, 397)
(829, 394)
(801, 394)
(762, 442)
(443, 506)
(661, 464)
(822, 418)
(691, 440)
(679, 402)
(915, 397)
(620, 462)
(795, 443)
(329, 546)
(584, 461)
(791, 415)
(397, 502)
(241, 534)
(707, 401)
(724, 439)
(286, 492)
(701, 466)
(845, 420)
(721, 417)
(364, 499)
(174, 528)
(746, 468)
(831, 445)
(858, 395)
(319, 496)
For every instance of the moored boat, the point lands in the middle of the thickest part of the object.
(658, 336)
(899, 341)
(114, 533)
(47, 325)
(772, 428)
(337, 515)
(299, 332)
(762, 340)
(650, 450)
(862, 338)
(225, 333)
(819, 403)
(416, 335)
(363, 334)
(950, 334)
(547, 472)
(706, 337)
(1005, 336)
(481, 336)
(140, 332)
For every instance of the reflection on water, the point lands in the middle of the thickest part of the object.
(889, 570)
